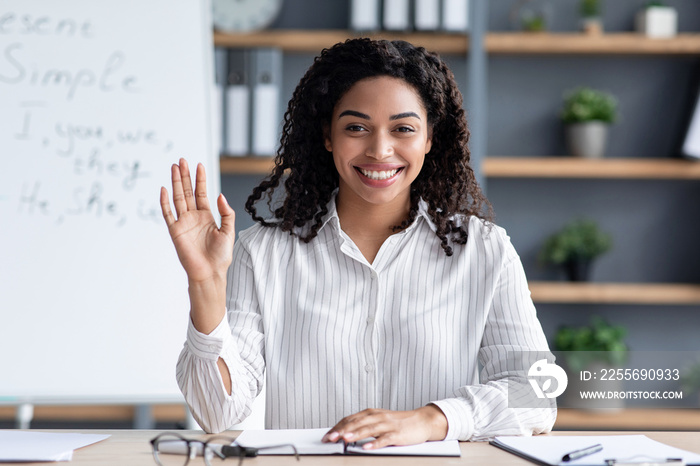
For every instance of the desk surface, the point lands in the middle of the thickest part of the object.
(132, 447)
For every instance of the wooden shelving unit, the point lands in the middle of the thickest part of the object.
(629, 419)
(530, 167)
(615, 293)
(313, 41)
(496, 43)
(160, 412)
(628, 43)
(254, 165)
(571, 167)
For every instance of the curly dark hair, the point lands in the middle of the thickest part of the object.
(446, 181)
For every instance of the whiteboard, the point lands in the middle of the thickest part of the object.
(97, 100)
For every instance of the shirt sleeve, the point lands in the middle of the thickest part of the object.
(239, 341)
(504, 402)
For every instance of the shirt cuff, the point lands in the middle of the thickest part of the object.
(460, 425)
(208, 346)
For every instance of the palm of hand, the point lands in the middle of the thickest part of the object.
(202, 248)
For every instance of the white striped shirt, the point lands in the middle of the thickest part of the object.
(335, 334)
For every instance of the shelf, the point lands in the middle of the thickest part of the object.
(629, 419)
(163, 413)
(615, 293)
(571, 167)
(314, 41)
(254, 165)
(627, 43)
(528, 167)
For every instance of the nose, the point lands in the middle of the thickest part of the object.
(380, 146)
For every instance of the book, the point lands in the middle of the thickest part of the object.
(308, 442)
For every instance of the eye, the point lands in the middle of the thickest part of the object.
(405, 129)
(354, 128)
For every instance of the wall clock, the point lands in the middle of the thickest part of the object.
(244, 15)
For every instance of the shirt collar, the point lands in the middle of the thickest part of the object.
(332, 215)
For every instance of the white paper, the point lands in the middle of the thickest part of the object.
(18, 446)
(551, 449)
(308, 442)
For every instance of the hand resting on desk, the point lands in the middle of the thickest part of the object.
(391, 427)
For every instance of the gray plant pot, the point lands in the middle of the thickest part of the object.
(587, 139)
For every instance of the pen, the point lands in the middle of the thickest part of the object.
(574, 455)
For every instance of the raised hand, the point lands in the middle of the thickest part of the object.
(204, 249)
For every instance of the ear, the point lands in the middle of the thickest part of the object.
(327, 138)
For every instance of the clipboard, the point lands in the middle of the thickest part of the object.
(618, 450)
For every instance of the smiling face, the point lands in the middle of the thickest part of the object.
(379, 136)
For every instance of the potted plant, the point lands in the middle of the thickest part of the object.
(574, 247)
(593, 348)
(530, 15)
(657, 20)
(587, 113)
(591, 14)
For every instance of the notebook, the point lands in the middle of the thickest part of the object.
(308, 442)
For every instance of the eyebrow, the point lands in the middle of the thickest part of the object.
(404, 115)
(364, 116)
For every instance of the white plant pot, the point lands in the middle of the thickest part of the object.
(592, 26)
(587, 139)
(657, 21)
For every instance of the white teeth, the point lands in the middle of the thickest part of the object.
(381, 175)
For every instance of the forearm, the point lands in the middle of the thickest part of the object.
(435, 420)
(207, 303)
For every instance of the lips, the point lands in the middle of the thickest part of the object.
(380, 176)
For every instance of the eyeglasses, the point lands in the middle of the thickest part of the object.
(171, 449)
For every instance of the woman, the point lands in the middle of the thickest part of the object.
(371, 296)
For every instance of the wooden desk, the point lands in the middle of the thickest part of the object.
(132, 447)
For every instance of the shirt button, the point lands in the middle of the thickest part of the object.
(369, 367)
(370, 320)
(374, 275)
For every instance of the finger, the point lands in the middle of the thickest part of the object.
(228, 216)
(165, 207)
(338, 430)
(187, 185)
(178, 195)
(200, 188)
(365, 424)
(369, 428)
(381, 441)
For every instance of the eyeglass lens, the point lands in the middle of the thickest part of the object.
(173, 450)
